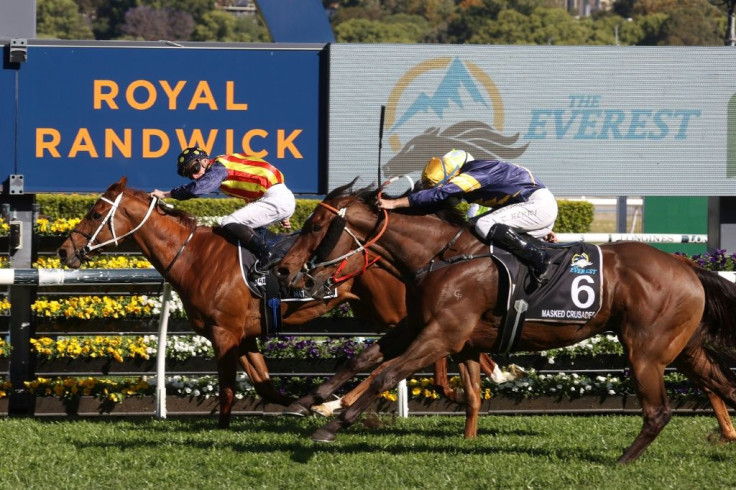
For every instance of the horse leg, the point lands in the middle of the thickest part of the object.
(226, 353)
(728, 434)
(327, 408)
(442, 383)
(715, 379)
(388, 347)
(365, 361)
(470, 373)
(255, 367)
(648, 379)
(457, 395)
(426, 348)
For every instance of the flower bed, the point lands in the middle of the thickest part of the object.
(111, 355)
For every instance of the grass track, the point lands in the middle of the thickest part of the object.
(420, 452)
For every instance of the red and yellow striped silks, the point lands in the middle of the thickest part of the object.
(248, 177)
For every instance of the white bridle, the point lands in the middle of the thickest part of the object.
(111, 219)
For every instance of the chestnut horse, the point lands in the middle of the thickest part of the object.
(663, 310)
(202, 266)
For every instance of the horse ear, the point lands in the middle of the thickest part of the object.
(119, 185)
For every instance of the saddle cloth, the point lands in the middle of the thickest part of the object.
(572, 295)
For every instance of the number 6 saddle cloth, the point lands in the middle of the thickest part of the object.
(572, 295)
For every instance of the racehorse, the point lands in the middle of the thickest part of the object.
(202, 265)
(663, 310)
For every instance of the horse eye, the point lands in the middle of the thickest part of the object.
(96, 215)
(316, 227)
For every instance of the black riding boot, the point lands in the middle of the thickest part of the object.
(253, 242)
(536, 258)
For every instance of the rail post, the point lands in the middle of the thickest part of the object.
(20, 212)
(163, 326)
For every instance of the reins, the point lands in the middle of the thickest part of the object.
(362, 247)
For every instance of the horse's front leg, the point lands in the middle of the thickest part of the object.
(470, 374)
(226, 350)
(255, 367)
(365, 361)
(425, 350)
(388, 347)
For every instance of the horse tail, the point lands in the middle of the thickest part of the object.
(719, 320)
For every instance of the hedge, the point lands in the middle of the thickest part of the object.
(573, 216)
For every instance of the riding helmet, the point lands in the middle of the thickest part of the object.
(439, 170)
(189, 160)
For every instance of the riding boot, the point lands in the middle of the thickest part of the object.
(253, 242)
(536, 258)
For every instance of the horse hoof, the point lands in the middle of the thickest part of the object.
(328, 409)
(322, 410)
(323, 435)
(296, 410)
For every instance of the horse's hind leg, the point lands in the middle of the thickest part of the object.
(716, 380)
(648, 378)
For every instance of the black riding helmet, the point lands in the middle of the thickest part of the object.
(189, 161)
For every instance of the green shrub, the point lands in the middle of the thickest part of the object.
(573, 217)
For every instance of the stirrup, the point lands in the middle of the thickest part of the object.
(540, 279)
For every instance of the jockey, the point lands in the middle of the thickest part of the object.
(518, 202)
(258, 183)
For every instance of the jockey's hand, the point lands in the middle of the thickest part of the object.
(286, 223)
(550, 237)
(402, 202)
(159, 194)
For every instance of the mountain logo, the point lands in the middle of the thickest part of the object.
(427, 115)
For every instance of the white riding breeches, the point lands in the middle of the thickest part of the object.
(536, 216)
(276, 204)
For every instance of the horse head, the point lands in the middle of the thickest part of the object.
(327, 245)
(117, 214)
(477, 138)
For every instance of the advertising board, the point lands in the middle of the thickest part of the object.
(90, 114)
(588, 120)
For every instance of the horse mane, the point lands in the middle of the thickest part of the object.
(184, 218)
(446, 211)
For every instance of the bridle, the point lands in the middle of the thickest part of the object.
(363, 248)
(109, 220)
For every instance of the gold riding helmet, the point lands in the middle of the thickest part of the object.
(439, 170)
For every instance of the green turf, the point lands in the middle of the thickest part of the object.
(419, 452)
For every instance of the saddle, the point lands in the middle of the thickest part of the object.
(572, 295)
(265, 284)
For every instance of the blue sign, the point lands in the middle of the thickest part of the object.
(89, 115)
(7, 122)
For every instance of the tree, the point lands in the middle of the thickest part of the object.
(223, 27)
(150, 24)
(61, 19)
(106, 16)
(691, 26)
(373, 31)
